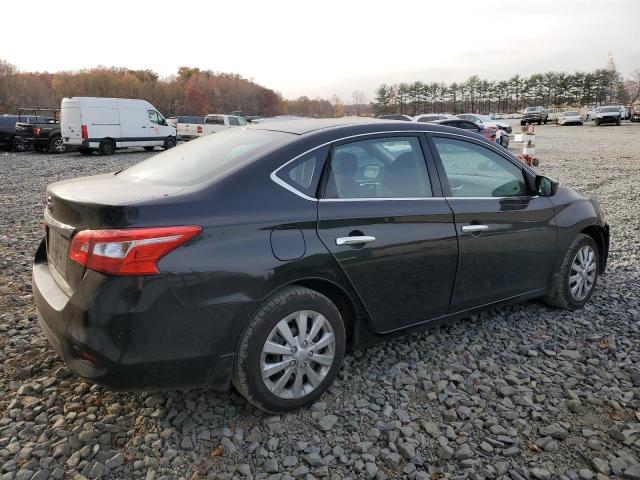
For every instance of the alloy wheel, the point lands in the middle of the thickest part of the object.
(58, 145)
(582, 276)
(298, 354)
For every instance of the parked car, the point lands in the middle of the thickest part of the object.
(634, 113)
(486, 120)
(534, 115)
(624, 112)
(107, 124)
(569, 118)
(430, 117)
(490, 132)
(8, 132)
(186, 126)
(608, 115)
(216, 123)
(39, 128)
(396, 116)
(257, 255)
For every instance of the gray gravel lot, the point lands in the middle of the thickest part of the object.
(522, 392)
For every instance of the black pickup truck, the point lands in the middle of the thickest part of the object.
(8, 133)
(41, 130)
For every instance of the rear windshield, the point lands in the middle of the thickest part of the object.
(531, 109)
(204, 158)
(570, 114)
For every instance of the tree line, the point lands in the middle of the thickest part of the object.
(484, 96)
(190, 91)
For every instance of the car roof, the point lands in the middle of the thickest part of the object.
(308, 125)
(333, 129)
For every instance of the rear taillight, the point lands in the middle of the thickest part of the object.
(36, 131)
(85, 132)
(199, 129)
(134, 251)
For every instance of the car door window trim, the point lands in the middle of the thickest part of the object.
(274, 174)
(444, 179)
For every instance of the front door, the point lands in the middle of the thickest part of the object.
(507, 234)
(383, 218)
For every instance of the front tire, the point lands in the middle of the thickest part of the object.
(577, 276)
(290, 352)
(169, 142)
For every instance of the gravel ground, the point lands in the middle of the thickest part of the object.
(518, 392)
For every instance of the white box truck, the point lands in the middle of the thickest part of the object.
(105, 124)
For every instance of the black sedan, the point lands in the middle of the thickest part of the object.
(257, 255)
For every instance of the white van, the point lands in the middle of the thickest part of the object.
(104, 124)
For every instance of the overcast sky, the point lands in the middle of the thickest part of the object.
(318, 48)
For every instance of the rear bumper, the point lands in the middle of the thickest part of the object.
(33, 140)
(131, 333)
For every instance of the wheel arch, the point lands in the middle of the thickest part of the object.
(346, 304)
(600, 235)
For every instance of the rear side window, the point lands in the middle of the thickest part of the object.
(205, 158)
(378, 168)
(215, 120)
(475, 171)
(303, 174)
(234, 121)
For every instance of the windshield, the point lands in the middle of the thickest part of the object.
(531, 109)
(485, 118)
(204, 158)
(570, 114)
(609, 109)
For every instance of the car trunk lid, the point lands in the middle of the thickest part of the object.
(100, 202)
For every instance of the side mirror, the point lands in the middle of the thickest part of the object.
(545, 187)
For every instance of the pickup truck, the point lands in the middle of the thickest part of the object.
(212, 123)
(8, 133)
(41, 130)
(534, 115)
(185, 126)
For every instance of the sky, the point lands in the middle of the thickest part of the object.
(322, 48)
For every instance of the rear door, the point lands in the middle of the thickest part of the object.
(383, 218)
(71, 122)
(507, 234)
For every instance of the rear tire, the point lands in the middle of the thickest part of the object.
(107, 147)
(304, 378)
(169, 142)
(149, 149)
(560, 293)
(56, 145)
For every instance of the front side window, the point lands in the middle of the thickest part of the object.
(154, 117)
(378, 168)
(476, 171)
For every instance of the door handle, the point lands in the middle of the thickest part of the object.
(474, 228)
(354, 240)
